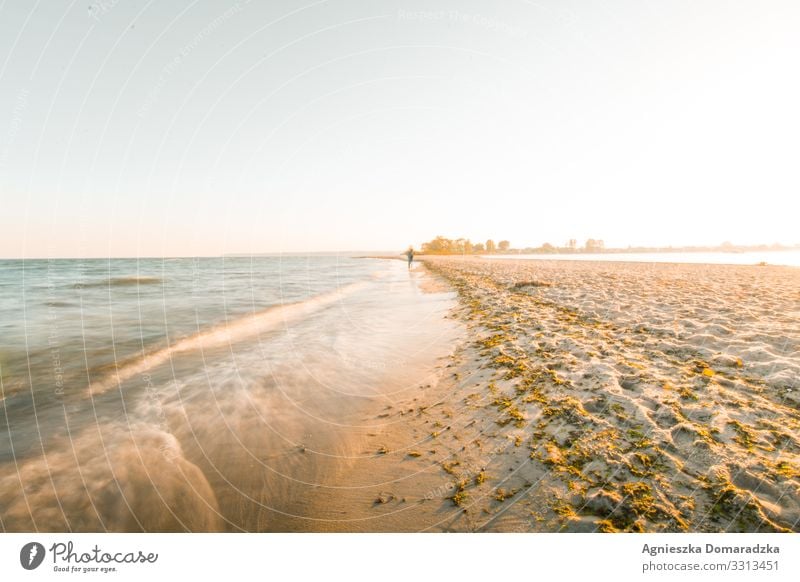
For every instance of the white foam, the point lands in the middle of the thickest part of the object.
(226, 333)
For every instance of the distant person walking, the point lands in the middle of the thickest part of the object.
(410, 255)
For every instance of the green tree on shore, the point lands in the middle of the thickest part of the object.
(460, 246)
(445, 246)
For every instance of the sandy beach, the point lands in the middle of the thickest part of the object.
(464, 394)
(599, 397)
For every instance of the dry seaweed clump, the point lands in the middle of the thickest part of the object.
(633, 507)
(511, 412)
(532, 283)
(744, 436)
(493, 341)
(563, 509)
(501, 494)
(459, 498)
(734, 509)
(786, 470)
(567, 408)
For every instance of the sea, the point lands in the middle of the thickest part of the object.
(130, 387)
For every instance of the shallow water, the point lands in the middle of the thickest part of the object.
(199, 394)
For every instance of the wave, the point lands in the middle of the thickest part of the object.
(119, 282)
(112, 478)
(226, 333)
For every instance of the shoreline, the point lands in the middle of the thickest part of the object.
(603, 397)
(595, 258)
(522, 397)
(253, 431)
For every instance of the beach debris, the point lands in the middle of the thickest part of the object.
(459, 498)
(532, 283)
(450, 466)
(384, 497)
(501, 494)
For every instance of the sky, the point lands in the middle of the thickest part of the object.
(203, 128)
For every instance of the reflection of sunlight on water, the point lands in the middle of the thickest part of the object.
(250, 422)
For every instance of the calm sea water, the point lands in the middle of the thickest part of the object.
(226, 367)
(787, 258)
(62, 320)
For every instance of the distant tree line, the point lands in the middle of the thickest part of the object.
(571, 247)
(463, 246)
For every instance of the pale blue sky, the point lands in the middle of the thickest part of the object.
(180, 128)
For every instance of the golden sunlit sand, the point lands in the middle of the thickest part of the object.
(629, 397)
(605, 397)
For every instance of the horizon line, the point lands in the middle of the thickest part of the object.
(350, 253)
